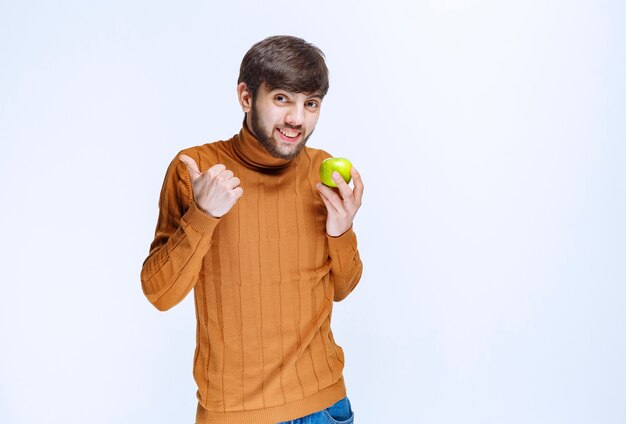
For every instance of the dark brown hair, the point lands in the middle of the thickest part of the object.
(286, 62)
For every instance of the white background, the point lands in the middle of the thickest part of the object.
(490, 136)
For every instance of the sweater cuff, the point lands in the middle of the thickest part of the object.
(344, 241)
(200, 221)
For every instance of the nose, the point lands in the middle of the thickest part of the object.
(295, 116)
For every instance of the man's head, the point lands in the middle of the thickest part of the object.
(286, 62)
(281, 84)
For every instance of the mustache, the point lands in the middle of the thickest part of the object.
(293, 127)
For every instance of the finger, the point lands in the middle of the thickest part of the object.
(191, 165)
(226, 174)
(358, 186)
(215, 170)
(238, 192)
(329, 207)
(344, 188)
(233, 182)
(331, 197)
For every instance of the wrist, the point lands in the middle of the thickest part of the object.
(337, 233)
(206, 212)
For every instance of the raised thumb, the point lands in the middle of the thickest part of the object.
(192, 166)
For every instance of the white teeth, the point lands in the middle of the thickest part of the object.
(288, 133)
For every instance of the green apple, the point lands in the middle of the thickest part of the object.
(341, 165)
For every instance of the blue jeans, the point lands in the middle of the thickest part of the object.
(339, 413)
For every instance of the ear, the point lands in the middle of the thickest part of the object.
(244, 96)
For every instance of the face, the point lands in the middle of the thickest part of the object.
(283, 121)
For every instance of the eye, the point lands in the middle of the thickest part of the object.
(281, 98)
(312, 104)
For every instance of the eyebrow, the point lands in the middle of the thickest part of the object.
(315, 95)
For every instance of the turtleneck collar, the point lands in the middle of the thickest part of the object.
(254, 156)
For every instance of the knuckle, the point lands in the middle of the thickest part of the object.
(223, 178)
(217, 169)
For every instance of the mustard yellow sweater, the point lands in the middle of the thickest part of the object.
(264, 277)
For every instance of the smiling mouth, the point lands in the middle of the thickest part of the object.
(289, 135)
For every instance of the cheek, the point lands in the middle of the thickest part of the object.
(311, 122)
(271, 118)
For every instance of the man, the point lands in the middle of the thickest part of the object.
(246, 223)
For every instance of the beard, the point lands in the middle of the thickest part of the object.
(267, 140)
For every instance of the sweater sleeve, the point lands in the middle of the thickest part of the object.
(182, 239)
(346, 266)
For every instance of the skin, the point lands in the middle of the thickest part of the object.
(216, 190)
(341, 208)
(282, 121)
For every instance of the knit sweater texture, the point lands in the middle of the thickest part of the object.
(264, 278)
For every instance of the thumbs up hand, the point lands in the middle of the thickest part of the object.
(216, 190)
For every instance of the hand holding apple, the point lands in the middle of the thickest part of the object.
(330, 165)
(341, 207)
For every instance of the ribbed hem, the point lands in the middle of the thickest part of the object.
(200, 221)
(273, 415)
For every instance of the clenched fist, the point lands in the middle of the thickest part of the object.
(216, 190)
